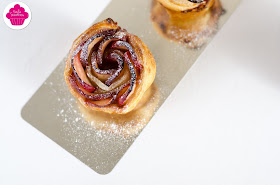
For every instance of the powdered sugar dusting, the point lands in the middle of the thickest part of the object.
(96, 138)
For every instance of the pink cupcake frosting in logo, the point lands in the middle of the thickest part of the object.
(17, 15)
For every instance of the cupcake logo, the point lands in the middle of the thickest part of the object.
(17, 15)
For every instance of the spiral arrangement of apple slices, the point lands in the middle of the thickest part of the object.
(109, 69)
(183, 5)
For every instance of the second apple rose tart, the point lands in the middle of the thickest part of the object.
(190, 22)
(109, 69)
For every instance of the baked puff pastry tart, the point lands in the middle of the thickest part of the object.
(109, 69)
(190, 22)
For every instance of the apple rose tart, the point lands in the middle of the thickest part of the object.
(190, 22)
(109, 69)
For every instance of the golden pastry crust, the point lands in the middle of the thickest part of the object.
(188, 23)
(129, 124)
(145, 68)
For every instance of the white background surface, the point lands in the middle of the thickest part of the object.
(220, 126)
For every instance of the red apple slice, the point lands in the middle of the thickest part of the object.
(89, 45)
(122, 92)
(123, 98)
(118, 58)
(81, 75)
(91, 42)
(101, 103)
(123, 77)
(119, 36)
(102, 75)
(90, 96)
(126, 46)
(102, 48)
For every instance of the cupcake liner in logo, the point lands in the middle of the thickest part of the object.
(17, 15)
